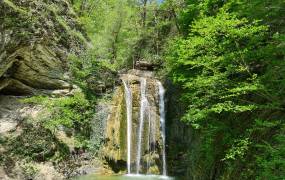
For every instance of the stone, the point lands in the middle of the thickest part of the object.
(39, 68)
(115, 148)
(35, 58)
(12, 112)
(145, 65)
(46, 171)
(13, 86)
(3, 175)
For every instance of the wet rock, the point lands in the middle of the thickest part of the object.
(115, 148)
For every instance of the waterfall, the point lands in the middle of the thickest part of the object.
(145, 122)
(144, 104)
(128, 97)
(148, 142)
(162, 122)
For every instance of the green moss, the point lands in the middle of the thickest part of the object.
(123, 127)
(79, 36)
(34, 143)
(53, 8)
(29, 170)
(63, 23)
(74, 113)
(59, 19)
(21, 10)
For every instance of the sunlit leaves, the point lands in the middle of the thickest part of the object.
(238, 150)
(230, 65)
(213, 64)
(67, 112)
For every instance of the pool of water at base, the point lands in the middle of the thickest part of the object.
(125, 177)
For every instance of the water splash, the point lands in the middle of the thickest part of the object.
(128, 97)
(162, 122)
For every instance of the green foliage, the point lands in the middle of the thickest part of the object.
(214, 63)
(192, 9)
(230, 65)
(112, 27)
(29, 170)
(270, 154)
(72, 114)
(69, 112)
(123, 32)
(34, 143)
(238, 150)
(92, 75)
(16, 18)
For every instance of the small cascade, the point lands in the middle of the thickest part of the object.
(135, 132)
(162, 123)
(143, 106)
(151, 143)
(128, 97)
(148, 143)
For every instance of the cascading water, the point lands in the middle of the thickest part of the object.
(162, 122)
(136, 126)
(149, 140)
(128, 97)
(144, 104)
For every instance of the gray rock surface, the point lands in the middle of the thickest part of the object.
(35, 40)
(13, 112)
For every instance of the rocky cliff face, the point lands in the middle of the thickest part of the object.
(36, 37)
(185, 159)
(179, 136)
(115, 148)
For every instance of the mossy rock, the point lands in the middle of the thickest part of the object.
(35, 54)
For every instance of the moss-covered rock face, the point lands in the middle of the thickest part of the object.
(115, 149)
(184, 152)
(35, 40)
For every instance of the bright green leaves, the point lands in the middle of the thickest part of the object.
(113, 28)
(213, 65)
(230, 65)
(193, 9)
(67, 112)
(229, 106)
(238, 150)
(70, 112)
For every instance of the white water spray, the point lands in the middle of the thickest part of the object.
(144, 104)
(162, 122)
(149, 141)
(147, 113)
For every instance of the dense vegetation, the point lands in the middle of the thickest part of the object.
(226, 57)
(230, 64)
